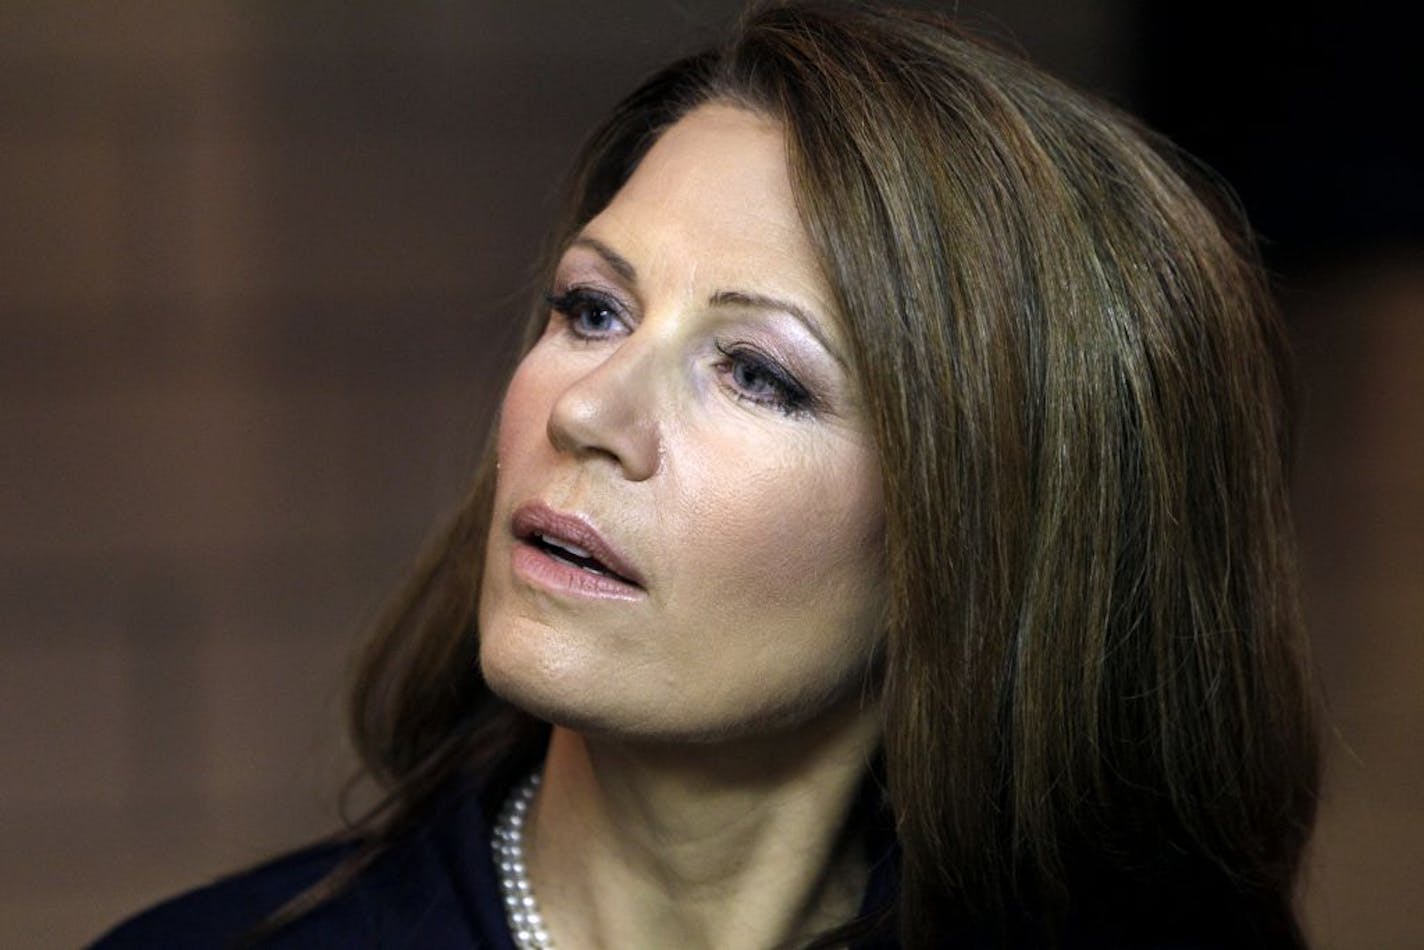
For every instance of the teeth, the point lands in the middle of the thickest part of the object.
(573, 549)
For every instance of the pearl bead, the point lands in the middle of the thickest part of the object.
(526, 924)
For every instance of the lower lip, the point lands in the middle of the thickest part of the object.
(549, 573)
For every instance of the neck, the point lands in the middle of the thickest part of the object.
(711, 845)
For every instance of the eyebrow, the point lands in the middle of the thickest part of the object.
(742, 298)
(722, 298)
(620, 264)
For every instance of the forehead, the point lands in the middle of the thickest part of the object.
(712, 202)
(711, 161)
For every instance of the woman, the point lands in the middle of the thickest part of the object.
(885, 542)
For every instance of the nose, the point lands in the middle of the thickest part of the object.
(610, 412)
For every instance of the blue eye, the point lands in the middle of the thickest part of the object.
(589, 315)
(754, 379)
(757, 378)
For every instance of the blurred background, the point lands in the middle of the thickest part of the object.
(261, 266)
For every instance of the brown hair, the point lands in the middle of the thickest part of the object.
(1097, 712)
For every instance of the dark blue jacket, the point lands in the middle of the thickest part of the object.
(435, 889)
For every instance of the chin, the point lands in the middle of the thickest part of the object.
(569, 703)
(518, 671)
(603, 705)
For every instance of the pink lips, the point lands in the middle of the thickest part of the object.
(565, 553)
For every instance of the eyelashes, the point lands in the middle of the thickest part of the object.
(749, 373)
(590, 315)
(757, 377)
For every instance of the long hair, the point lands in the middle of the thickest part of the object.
(1096, 709)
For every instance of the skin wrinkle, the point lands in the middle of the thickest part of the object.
(799, 552)
(1059, 709)
(710, 737)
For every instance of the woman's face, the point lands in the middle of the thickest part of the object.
(686, 541)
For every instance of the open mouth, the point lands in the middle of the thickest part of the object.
(568, 552)
(575, 556)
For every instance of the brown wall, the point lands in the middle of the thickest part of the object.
(259, 265)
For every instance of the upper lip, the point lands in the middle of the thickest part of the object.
(536, 518)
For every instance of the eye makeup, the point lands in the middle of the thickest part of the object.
(755, 376)
(589, 314)
(753, 340)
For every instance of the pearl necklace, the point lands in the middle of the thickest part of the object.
(520, 909)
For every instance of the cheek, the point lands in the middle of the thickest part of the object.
(801, 541)
(524, 413)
